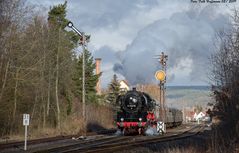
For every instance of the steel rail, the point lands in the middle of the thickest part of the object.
(133, 142)
(83, 144)
(50, 139)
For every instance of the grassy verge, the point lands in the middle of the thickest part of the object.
(98, 118)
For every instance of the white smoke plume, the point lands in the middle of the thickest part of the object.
(187, 37)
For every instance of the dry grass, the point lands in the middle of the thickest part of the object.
(153, 89)
(72, 125)
(166, 150)
(182, 150)
(223, 140)
(98, 118)
(100, 115)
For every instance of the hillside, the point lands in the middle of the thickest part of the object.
(187, 96)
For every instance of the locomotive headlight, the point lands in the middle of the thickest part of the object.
(140, 119)
(122, 119)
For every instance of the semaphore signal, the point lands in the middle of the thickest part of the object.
(161, 76)
(84, 39)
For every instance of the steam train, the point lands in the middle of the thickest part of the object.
(137, 113)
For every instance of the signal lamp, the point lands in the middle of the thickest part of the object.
(70, 24)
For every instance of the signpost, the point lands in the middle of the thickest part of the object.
(26, 121)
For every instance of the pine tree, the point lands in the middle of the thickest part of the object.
(91, 79)
(114, 90)
(57, 21)
(61, 44)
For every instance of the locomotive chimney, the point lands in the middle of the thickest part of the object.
(97, 71)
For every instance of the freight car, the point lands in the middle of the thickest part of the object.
(137, 113)
(174, 117)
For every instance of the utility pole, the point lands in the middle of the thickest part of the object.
(162, 58)
(83, 76)
(84, 39)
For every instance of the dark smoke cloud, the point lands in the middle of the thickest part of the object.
(107, 54)
(184, 35)
(108, 57)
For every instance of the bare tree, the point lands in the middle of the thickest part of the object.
(225, 77)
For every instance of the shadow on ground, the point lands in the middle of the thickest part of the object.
(95, 127)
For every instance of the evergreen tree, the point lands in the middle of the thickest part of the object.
(91, 79)
(57, 21)
(60, 44)
(57, 16)
(114, 90)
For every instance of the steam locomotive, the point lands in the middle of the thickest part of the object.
(137, 113)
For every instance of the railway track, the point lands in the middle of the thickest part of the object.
(19, 144)
(86, 144)
(122, 145)
(114, 143)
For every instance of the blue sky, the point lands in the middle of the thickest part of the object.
(127, 34)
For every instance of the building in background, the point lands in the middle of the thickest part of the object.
(124, 86)
(200, 116)
(188, 114)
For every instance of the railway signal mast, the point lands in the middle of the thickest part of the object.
(161, 76)
(84, 39)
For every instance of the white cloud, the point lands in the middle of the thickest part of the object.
(187, 33)
(179, 73)
(122, 25)
(123, 34)
(111, 38)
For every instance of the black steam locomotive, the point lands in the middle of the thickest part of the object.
(137, 113)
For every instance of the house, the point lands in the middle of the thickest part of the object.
(124, 86)
(188, 114)
(199, 116)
